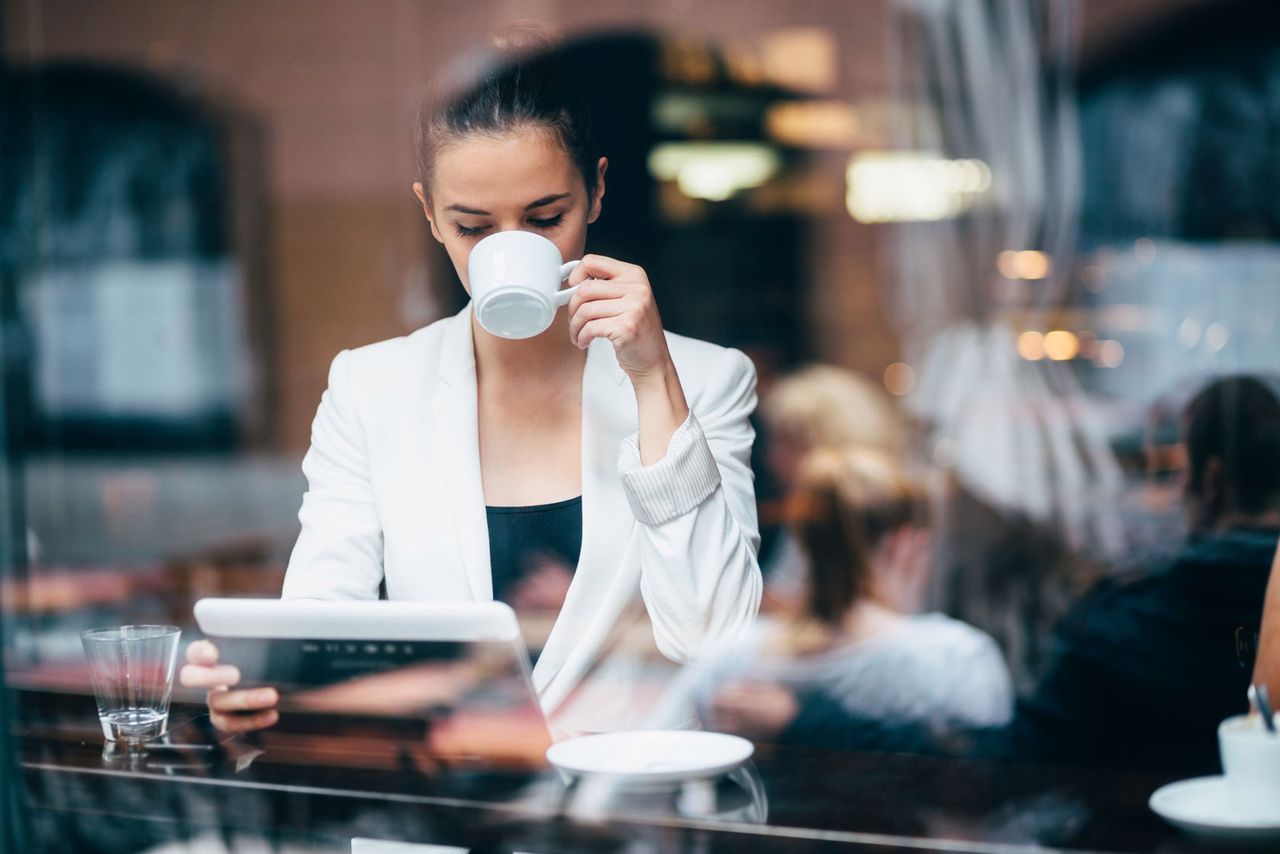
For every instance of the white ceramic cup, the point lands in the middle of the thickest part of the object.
(1251, 762)
(515, 279)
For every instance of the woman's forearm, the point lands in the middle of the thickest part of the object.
(662, 409)
(1267, 668)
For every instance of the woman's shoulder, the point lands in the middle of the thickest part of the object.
(932, 647)
(394, 361)
(946, 669)
(697, 351)
(704, 366)
(955, 637)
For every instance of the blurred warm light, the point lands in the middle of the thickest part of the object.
(1216, 336)
(888, 186)
(1061, 345)
(743, 63)
(688, 60)
(1025, 264)
(812, 124)
(1144, 249)
(803, 58)
(1110, 353)
(713, 170)
(1031, 345)
(899, 378)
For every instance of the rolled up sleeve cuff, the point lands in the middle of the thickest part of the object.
(675, 484)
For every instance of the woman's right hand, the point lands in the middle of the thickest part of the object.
(230, 711)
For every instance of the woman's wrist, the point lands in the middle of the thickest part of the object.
(661, 407)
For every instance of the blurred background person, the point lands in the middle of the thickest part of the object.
(1171, 646)
(820, 406)
(858, 521)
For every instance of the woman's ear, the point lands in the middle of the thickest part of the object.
(597, 197)
(425, 200)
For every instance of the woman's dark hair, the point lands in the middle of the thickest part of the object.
(1235, 420)
(521, 89)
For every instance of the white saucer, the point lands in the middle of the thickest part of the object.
(1201, 808)
(651, 757)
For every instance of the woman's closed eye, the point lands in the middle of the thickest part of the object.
(536, 222)
(470, 231)
(548, 222)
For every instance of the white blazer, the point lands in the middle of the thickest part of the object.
(394, 492)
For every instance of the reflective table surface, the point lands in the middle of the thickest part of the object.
(319, 786)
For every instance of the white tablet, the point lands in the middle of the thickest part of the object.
(451, 678)
(313, 619)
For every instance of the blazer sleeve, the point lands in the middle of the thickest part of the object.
(339, 552)
(696, 509)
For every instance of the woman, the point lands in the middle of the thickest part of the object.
(855, 517)
(821, 406)
(603, 424)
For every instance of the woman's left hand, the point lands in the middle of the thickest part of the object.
(614, 301)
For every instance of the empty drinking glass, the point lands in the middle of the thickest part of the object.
(132, 672)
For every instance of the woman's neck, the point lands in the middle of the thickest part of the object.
(546, 358)
(868, 618)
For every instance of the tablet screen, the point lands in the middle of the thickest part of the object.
(446, 692)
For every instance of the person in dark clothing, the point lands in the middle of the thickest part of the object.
(1169, 650)
(1143, 668)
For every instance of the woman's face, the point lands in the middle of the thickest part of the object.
(520, 182)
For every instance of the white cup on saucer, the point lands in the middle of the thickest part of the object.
(515, 279)
(1251, 763)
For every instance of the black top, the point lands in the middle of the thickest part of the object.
(523, 538)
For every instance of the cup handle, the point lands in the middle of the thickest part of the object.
(562, 297)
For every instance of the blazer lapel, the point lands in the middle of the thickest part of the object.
(457, 444)
(597, 592)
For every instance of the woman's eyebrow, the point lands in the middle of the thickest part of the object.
(545, 200)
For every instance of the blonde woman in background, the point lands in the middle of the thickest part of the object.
(858, 522)
(820, 406)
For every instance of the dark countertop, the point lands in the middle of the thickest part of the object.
(345, 778)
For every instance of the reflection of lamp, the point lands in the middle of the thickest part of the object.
(812, 124)
(803, 58)
(1031, 345)
(888, 186)
(899, 379)
(713, 170)
(1110, 353)
(1061, 345)
(1025, 264)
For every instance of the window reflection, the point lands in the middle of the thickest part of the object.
(1007, 279)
